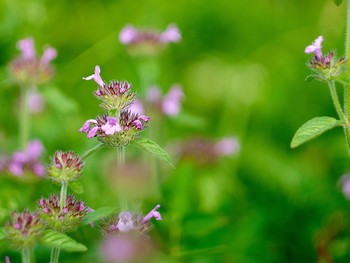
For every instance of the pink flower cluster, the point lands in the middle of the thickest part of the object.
(27, 160)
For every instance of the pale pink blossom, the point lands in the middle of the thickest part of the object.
(315, 47)
(49, 54)
(171, 34)
(171, 104)
(227, 146)
(128, 34)
(26, 46)
(151, 214)
(96, 76)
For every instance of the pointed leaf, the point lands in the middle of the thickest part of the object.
(55, 239)
(338, 2)
(313, 128)
(76, 187)
(99, 213)
(152, 147)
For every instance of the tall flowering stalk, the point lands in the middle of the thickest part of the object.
(29, 70)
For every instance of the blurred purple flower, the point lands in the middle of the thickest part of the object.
(28, 159)
(171, 103)
(26, 46)
(128, 34)
(227, 146)
(137, 107)
(49, 54)
(96, 77)
(171, 34)
(125, 222)
(7, 259)
(344, 182)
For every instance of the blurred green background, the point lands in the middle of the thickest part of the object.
(242, 68)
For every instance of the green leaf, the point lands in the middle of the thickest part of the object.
(55, 239)
(338, 2)
(76, 187)
(310, 78)
(2, 233)
(98, 214)
(152, 147)
(313, 128)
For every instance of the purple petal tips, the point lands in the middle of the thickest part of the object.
(171, 34)
(93, 132)
(227, 146)
(49, 54)
(27, 48)
(154, 214)
(128, 34)
(86, 126)
(7, 259)
(315, 47)
(96, 77)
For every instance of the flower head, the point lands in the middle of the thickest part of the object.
(148, 42)
(27, 160)
(127, 222)
(326, 67)
(24, 230)
(65, 167)
(28, 68)
(170, 104)
(115, 96)
(67, 219)
(112, 132)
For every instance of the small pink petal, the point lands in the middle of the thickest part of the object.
(144, 118)
(171, 34)
(86, 126)
(154, 214)
(27, 48)
(96, 77)
(127, 35)
(49, 54)
(93, 132)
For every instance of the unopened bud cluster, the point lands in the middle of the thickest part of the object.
(65, 167)
(67, 219)
(24, 230)
(326, 67)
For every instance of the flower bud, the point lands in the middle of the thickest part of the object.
(63, 220)
(65, 167)
(24, 230)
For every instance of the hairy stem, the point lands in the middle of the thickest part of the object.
(26, 255)
(55, 253)
(347, 55)
(92, 150)
(121, 170)
(63, 195)
(340, 112)
(24, 118)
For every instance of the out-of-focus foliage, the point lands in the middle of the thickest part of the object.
(242, 67)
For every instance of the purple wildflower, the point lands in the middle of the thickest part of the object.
(111, 127)
(35, 101)
(96, 77)
(7, 259)
(171, 34)
(28, 68)
(227, 146)
(315, 47)
(170, 104)
(27, 160)
(128, 34)
(151, 214)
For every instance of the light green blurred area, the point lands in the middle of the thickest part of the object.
(242, 67)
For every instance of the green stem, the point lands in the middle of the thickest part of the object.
(92, 150)
(26, 255)
(24, 117)
(63, 196)
(336, 102)
(347, 55)
(55, 253)
(121, 169)
(340, 112)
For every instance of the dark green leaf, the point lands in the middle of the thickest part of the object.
(313, 128)
(152, 147)
(62, 241)
(76, 187)
(99, 213)
(338, 2)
